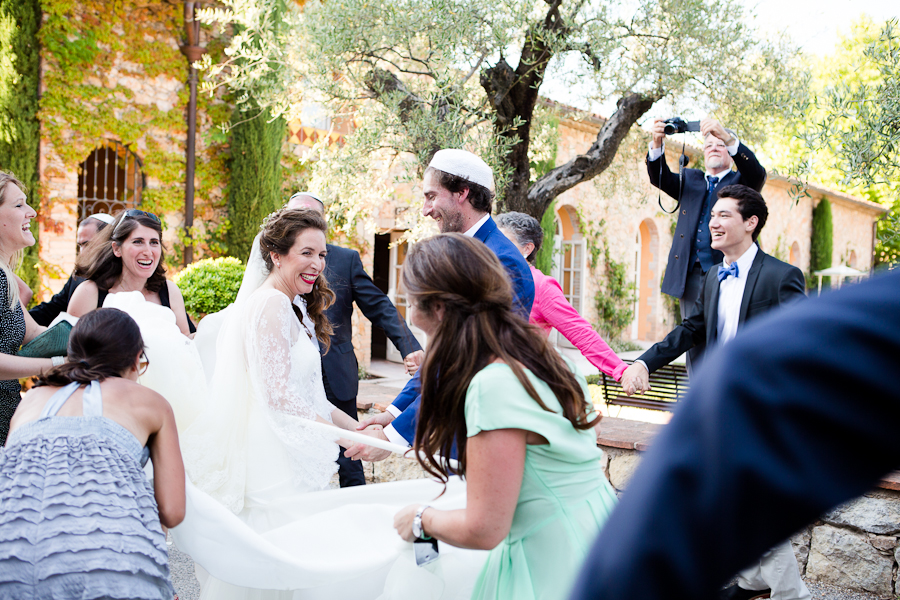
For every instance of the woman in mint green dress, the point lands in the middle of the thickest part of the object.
(497, 396)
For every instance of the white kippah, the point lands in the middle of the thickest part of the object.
(463, 164)
(310, 194)
(108, 219)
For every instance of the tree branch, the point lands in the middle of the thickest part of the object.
(600, 155)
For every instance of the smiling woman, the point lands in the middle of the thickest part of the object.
(16, 325)
(127, 256)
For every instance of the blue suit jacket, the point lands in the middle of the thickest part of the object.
(751, 455)
(749, 172)
(523, 297)
(350, 283)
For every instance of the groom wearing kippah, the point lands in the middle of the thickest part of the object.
(458, 195)
(745, 285)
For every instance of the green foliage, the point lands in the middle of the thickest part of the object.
(20, 134)
(843, 132)
(209, 285)
(822, 240)
(615, 298)
(256, 176)
(544, 259)
(419, 75)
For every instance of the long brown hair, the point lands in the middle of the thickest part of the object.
(104, 343)
(478, 326)
(100, 264)
(279, 232)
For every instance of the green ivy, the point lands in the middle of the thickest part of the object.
(20, 133)
(79, 108)
(615, 298)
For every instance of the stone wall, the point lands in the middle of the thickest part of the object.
(854, 546)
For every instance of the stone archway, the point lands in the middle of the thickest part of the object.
(647, 278)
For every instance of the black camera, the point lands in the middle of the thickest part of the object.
(679, 125)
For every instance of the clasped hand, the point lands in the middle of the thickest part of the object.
(373, 426)
(636, 378)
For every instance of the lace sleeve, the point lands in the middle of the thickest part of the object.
(286, 378)
(278, 380)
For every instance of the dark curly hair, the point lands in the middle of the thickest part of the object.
(104, 343)
(279, 232)
(98, 262)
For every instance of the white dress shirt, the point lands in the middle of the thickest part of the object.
(731, 293)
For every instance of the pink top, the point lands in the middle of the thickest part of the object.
(551, 309)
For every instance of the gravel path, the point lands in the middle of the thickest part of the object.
(187, 587)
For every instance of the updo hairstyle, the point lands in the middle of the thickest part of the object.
(279, 233)
(98, 262)
(104, 343)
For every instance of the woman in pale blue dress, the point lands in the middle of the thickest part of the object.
(79, 518)
(497, 395)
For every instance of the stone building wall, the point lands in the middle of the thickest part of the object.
(149, 118)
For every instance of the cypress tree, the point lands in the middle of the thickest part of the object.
(20, 133)
(255, 188)
(822, 239)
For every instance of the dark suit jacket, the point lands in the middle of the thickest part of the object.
(45, 312)
(350, 283)
(749, 172)
(796, 415)
(523, 297)
(770, 283)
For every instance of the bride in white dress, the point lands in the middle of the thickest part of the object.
(252, 522)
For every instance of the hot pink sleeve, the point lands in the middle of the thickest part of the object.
(556, 310)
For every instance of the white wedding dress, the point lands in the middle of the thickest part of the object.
(259, 522)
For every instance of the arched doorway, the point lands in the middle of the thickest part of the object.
(851, 262)
(795, 255)
(109, 180)
(646, 281)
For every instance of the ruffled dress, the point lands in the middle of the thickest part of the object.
(79, 518)
(564, 501)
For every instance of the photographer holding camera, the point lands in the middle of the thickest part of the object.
(691, 255)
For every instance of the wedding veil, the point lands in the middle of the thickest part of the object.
(215, 445)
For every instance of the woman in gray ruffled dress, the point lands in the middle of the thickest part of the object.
(78, 517)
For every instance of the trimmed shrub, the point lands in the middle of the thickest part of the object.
(209, 285)
(822, 241)
(543, 260)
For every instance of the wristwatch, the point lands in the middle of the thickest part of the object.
(417, 524)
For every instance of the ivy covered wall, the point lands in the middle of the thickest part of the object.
(19, 128)
(113, 71)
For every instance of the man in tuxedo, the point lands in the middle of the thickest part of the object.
(752, 454)
(45, 312)
(746, 284)
(340, 371)
(458, 195)
(692, 254)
